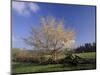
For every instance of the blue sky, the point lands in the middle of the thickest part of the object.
(78, 17)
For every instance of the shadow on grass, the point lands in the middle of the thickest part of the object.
(37, 68)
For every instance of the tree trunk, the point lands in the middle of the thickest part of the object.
(54, 56)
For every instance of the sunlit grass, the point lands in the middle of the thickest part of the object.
(33, 68)
(89, 55)
(36, 68)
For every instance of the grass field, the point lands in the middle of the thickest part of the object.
(36, 68)
(90, 55)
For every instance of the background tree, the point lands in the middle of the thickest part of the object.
(50, 36)
(87, 47)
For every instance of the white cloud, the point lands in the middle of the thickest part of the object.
(33, 7)
(16, 38)
(24, 8)
(20, 8)
(13, 38)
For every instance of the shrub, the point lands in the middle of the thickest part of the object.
(70, 59)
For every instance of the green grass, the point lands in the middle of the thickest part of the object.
(33, 68)
(37, 68)
(90, 55)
